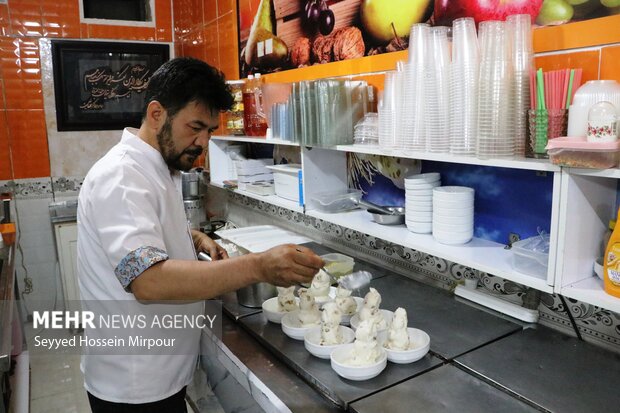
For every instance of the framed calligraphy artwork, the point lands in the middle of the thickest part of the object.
(100, 85)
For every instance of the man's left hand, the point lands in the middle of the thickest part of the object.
(202, 243)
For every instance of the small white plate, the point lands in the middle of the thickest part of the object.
(270, 309)
(312, 341)
(291, 326)
(341, 354)
(420, 343)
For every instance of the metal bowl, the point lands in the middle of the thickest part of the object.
(397, 216)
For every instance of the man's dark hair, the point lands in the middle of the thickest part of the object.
(183, 80)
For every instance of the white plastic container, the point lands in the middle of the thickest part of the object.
(531, 255)
(287, 179)
(587, 95)
(338, 264)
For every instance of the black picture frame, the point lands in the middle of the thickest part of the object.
(100, 85)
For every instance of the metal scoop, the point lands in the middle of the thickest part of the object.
(353, 281)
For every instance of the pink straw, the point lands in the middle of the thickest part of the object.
(546, 80)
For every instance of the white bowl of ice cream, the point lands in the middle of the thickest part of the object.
(387, 316)
(341, 364)
(419, 344)
(326, 298)
(270, 309)
(346, 318)
(292, 327)
(312, 341)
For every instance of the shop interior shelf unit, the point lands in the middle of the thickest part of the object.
(515, 163)
(270, 199)
(589, 201)
(583, 201)
(483, 255)
(220, 168)
(326, 170)
(250, 139)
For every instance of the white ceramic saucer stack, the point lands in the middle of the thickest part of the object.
(453, 214)
(419, 201)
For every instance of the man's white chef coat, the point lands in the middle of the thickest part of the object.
(131, 216)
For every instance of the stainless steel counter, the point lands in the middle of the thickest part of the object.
(318, 372)
(445, 389)
(479, 362)
(454, 327)
(554, 371)
(7, 304)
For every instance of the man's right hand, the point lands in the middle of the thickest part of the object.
(289, 264)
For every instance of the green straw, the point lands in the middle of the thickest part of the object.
(540, 86)
(541, 115)
(570, 88)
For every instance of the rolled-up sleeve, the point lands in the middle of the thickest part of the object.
(126, 212)
(136, 262)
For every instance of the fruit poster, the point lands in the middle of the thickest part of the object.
(278, 35)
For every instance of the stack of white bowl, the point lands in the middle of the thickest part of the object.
(419, 201)
(453, 214)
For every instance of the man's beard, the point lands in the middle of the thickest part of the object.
(180, 161)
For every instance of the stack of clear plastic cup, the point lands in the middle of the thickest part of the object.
(438, 91)
(412, 115)
(309, 118)
(495, 89)
(419, 201)
(388, 106)
(520, 26)
(464, 87)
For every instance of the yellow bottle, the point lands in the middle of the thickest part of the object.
(611, 267)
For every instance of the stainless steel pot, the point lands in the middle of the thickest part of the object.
(254, 295)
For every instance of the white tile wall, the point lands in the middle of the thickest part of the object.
(36, 256)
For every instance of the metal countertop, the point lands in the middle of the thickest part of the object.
(318, 372)
(454, 327)
(444, 389)
(555, 371)
(65, 211)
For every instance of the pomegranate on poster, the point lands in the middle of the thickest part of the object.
(448, 10)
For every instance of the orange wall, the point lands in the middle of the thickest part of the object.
(23, 135)
(207, 30)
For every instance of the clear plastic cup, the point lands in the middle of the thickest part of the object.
(437, 105)
(412, 122)
(465, 50)
(520, 27)
(417, 43)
